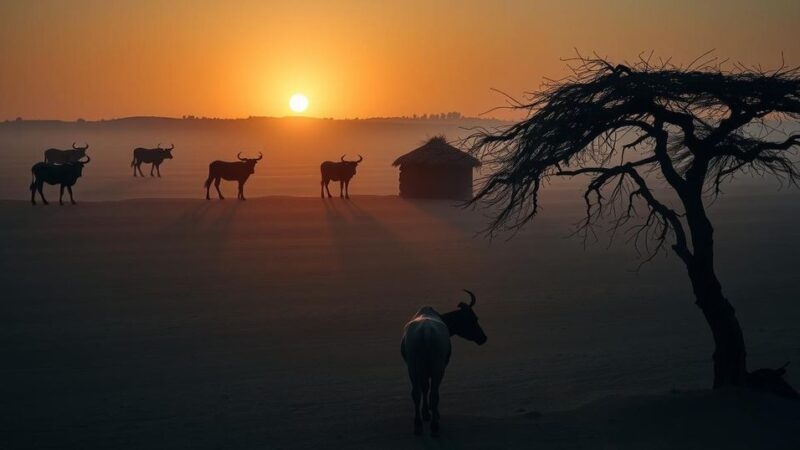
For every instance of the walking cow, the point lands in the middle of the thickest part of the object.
(56, 156)
(342, 172)
(63, 174)
(426, 350)
(239, 171)
(153, 156)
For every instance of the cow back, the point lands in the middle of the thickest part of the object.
(426, 342)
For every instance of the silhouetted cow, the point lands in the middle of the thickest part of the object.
(342, 172)
(56, 156)
(64, 174)
(426, 350)
(154, 156)
(238, 171)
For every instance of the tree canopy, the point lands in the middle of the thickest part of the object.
(694, 124)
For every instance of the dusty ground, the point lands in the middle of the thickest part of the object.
(275, 323)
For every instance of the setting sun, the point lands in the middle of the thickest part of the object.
(298, 103)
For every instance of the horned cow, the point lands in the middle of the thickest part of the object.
(153, 156)
(236, 171)
(63, 174)
(56, 156)
(425, 348)
(342, 171)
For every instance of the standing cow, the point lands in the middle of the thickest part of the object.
(56, 156)
(64, 174)
(238, 171)
(342, 172)
(426, 350)
(153, 156)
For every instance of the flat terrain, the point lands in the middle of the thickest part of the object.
(275, 323)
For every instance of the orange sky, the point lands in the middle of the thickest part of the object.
(104, 59)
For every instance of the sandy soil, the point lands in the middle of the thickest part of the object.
(275, 323)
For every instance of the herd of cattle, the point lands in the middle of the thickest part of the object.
(64, 167)
(425, 346)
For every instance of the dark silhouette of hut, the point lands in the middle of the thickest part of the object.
(436, 170)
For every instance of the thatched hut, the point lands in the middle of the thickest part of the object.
(436, 170)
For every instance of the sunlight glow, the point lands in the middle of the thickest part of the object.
(298, 103)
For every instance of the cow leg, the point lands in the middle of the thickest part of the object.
(152, 167)
(426, 408)
(40, 187)
(69, 189)
(216, 186)
(436, 380)
(341, 189)
(139, 166)
(134, 167)
(322, 188)
(241, 191)
(33, 193)
(158, 170)
(61, 195)
(347, 189)
(327, 188)
(416, 395)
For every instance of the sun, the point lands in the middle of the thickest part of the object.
(298, 103)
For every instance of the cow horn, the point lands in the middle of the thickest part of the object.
(342, 159)
(171, 146)
(239, 155)
(472, 296)
(360, 158)
(87, 160)
(85, 145)
(158, 146)
(73, 145)
(260, 155)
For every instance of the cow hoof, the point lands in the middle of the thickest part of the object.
(426, 416)
(74, 203)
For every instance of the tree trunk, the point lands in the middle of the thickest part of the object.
(730, 358)
(730, 366)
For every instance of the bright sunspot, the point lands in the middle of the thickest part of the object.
(298, 103)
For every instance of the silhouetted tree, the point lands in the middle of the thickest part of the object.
(626, 126)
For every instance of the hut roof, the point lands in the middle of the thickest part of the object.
(437, 152)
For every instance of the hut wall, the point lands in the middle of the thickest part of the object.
(451, 182)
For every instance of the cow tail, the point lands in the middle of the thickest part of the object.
(33, 182)
(133, 161)
(207, 183)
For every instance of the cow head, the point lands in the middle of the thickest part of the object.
(463, 322)
(167, 152)
(80, 151)
(77, 165)
(350, 166)
(250, 162)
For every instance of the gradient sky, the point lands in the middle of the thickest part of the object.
(105, 59)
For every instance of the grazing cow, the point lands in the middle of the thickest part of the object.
(56, 156)
(342, 172)
(64, 174)
(426, 350)
(239, 171)
(153, 156)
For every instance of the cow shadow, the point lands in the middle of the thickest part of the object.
(362, 244)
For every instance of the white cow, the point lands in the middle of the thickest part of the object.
(426, 350)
